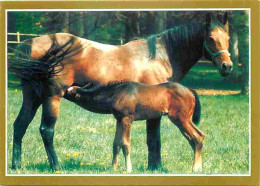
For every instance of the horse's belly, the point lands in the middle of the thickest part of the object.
(146, 113)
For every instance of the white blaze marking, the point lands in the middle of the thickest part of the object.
(70, 89)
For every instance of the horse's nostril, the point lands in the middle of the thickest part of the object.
(224, 66)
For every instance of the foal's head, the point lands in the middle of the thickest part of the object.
(71, 93)
(216, 43)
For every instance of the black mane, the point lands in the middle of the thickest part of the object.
(175, 37)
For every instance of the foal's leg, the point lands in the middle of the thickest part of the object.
(117, 144)
(29, 107)
(127, 126)
(195, 138)
(154, 143)
(123, 139)
(50, 111)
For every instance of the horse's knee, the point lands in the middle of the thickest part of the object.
(49, 119)
(126, 147)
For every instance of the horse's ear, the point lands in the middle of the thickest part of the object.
(208, 21)
(225, 18)
(225, 22)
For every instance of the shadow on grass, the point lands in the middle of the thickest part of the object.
(41, 167)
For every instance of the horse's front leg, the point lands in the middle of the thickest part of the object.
(126, 147)
(154, 143)
(123, 139)
(50, 113)
(117, 144)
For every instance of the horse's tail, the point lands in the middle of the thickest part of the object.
(197, 109)
(38, 71)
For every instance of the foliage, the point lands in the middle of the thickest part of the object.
(240, 24)
(27, 22)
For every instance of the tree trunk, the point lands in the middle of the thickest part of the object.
(65, 27)
(243, 44)
(240, 25)
(76, 23)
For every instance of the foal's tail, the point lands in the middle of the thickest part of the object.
(38, 71)
(197, 109)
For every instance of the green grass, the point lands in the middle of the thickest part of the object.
(206, 76)
(88, 138)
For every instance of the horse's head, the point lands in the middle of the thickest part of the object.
(216, 43)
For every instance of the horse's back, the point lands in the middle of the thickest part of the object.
(42, 44)
(174, 86)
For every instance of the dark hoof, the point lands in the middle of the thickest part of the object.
(154, 166)
(16, 166)
(55, 168)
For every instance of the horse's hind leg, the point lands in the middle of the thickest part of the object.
(195, 138)
(50, 111)
(29, 107)
(153, 143)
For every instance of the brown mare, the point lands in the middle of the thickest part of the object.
(131, 101)
(49, 64)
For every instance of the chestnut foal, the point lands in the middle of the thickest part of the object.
(131, 101)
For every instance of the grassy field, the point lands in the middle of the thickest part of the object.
(83, 140)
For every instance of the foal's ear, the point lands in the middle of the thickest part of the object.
(208, 21)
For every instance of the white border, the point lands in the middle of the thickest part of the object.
(108, 175)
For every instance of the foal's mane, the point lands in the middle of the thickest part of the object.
(104, 87)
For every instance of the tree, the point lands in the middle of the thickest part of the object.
(240, 22)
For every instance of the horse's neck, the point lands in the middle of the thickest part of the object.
(99, 99)
(195, 53)
(186, 57)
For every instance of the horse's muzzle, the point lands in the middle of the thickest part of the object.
(226, 68)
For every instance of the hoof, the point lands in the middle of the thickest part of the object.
(154, 166)
(129, 170)
(16, 166)
(197, 168)
(55, 168)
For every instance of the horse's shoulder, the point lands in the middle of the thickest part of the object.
(102, 47)
(136, 42)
